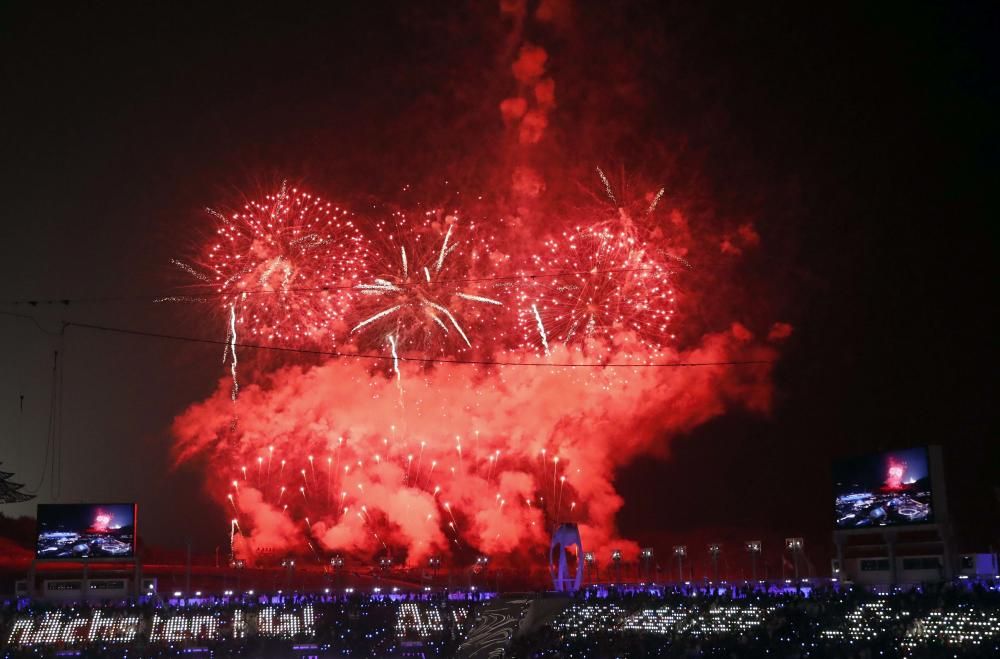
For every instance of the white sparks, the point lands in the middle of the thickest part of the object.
(444, 248)
(479, 298)
(656, 200)
(452, 319)
(406, 266)
(232, 348)
(380, 314)
(438, 321)
(541, 327)
(607, 186)
(286, 270)
(216, 214)
(427, 273)
(180, 298)
(191, 271)
(395, 362)
(380, 286)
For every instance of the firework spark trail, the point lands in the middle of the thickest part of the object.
(232, 347)
(395, 366)
(541, 329)
(480, 298)
(381, 314)
(656, 200)
(452, 319)
(444, 247)
(182, 299)
(607, 186)
(190, 270)
(434, 317)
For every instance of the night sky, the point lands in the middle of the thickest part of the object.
(862, 142)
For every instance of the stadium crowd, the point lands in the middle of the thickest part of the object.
(839, 623)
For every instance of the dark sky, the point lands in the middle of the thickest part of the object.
(861, 140)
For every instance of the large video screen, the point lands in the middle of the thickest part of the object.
(883, 489)
(86, 530)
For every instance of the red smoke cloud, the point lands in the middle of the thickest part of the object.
(455, 458)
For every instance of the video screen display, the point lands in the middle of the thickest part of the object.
(883, 489)
(86, 530)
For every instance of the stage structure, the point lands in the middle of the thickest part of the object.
(566, 535)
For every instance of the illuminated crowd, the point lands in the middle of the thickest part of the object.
(837, 623)
(350, 625)
(693, 622)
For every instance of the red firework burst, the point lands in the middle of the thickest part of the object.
(602, 283)
(285, 267)
(432, 285)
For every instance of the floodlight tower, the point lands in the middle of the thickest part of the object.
(337, 567)
(753, 548)
(647, 562)
(482, 563)
(616, 560)
(680, 551)
(795, 545)
(434, 563)
(714, 549)
(590, 565)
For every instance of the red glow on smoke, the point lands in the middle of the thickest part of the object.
(101, 522)
(894, 475)
(417, 459)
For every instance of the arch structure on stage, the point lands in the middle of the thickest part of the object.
(565, 535)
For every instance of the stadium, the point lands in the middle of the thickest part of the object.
(896, 603)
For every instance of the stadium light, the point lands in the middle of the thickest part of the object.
(753, 548)
(795, 546)
(647, 562)
(714, 549)
(680, 551)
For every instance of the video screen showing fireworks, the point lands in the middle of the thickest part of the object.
(86, 530)
(883, 489)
